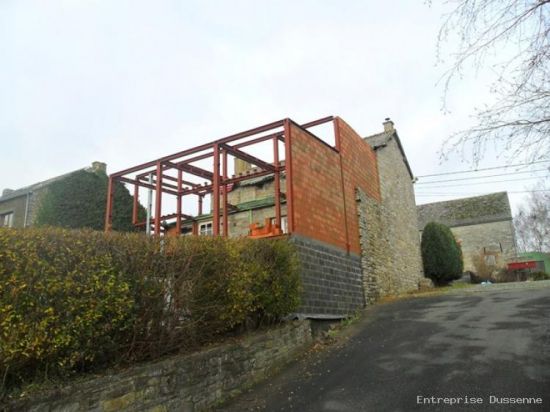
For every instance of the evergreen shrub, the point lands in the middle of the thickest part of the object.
(441, 254)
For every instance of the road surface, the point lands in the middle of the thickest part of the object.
(467, 351)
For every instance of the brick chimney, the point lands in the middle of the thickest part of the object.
(241, 166)
(388, 125)
(99, 167)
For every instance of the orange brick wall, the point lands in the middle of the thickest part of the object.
(317, 185)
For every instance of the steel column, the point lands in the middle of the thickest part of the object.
(338, 144)
(225, 216)
(277, 182)
(288, 168)
(158, 199)
(178, 205)
(110, 200)
(136, 203)
(216, 192)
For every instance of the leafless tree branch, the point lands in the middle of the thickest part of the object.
(518, 123)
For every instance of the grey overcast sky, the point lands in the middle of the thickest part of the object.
(125, 82)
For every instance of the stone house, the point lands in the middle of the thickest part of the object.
(18, 208)
(481, 224)
(349, 208)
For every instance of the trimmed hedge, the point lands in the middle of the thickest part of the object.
(441, 254)
(78, 201)
(82, 300)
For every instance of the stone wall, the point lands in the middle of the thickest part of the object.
(239, 223)
(400, 216)
(254, 189)
(376, 262)
(496, 238)
(331, 279)
(18, 205)
(183, 383)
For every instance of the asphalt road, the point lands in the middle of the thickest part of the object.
(490, 343)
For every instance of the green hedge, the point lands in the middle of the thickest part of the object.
(79, 300)
(441, 254)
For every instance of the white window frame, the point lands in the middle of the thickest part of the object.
(6, 219)
(284, 223)
(206, 229)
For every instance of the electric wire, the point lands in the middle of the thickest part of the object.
(483, 169)
(483, 177)
(482, 183)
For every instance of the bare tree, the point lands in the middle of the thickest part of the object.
(519, 119)
(532, 223)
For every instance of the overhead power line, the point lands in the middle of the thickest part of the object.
(483, 169)
(478, 193)
(481, 183)
(484, 177)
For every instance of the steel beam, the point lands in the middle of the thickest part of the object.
(143, 184)
(194, 170)
(209, 188)
(248, 158)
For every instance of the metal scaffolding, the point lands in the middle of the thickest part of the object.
(154, 175)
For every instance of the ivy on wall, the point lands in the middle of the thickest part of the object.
(79, 200)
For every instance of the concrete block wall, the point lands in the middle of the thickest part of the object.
(182, 383)
(331, 279)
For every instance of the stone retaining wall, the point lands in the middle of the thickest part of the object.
(183, 383)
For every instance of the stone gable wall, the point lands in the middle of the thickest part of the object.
(18, 206)
(400, 217)
(390, 244)
(491, 236)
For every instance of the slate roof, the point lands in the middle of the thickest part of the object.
(380, 140)
(36, 186)
(95, 167)
(494, 207)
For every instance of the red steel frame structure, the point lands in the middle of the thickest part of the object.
(217, 151)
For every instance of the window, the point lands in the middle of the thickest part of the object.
(490, 260)
(284, 223)
(6, 220)
(205, 229)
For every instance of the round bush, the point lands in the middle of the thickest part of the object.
(441, 254)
